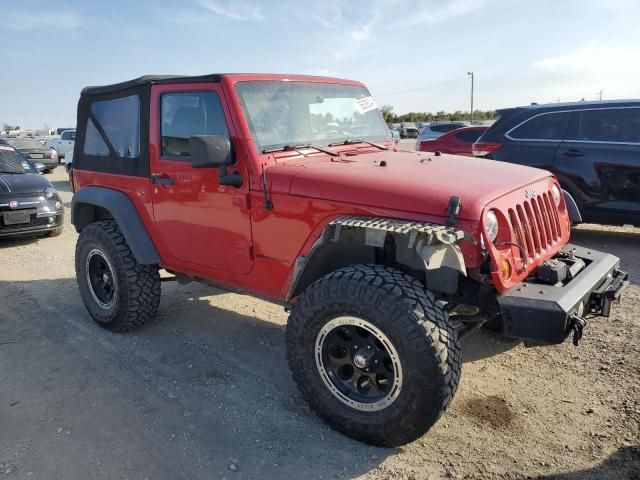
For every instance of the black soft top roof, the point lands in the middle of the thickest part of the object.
(149, 80)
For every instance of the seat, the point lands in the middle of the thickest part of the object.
(186, 122)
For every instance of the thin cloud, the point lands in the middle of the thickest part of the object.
(239, 11)
(599, 59)
(439, 12)
(27, 20)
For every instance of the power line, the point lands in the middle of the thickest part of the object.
(423, 88)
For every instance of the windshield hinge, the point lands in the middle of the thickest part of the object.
(268, 204)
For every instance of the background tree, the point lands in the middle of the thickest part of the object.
(7, 128)
(387, 113)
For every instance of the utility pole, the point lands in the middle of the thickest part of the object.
(471, 119)
(600, 93)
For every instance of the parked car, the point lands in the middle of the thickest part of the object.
(408, 130)
(28, 202)
(435, 130)
(34, 150)
(384, 258)
(457, 142)
(592, 147)
(64, 143)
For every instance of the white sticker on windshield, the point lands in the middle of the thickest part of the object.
(366, 104)
(7, 148)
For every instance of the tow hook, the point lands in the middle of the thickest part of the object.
(577, 325)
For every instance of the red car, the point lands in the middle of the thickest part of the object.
(290, 188)
(457, 142)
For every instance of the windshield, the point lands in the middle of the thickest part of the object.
(283, 113)
(12, 161)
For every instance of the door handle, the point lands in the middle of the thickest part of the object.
(573, 153)
(162, 180)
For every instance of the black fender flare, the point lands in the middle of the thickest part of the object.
(121, 208)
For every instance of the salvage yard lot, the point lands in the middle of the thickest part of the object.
(204, 392)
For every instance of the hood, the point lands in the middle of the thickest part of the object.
(417, 182)
(22, 183)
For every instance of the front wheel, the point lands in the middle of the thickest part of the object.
(373, 354)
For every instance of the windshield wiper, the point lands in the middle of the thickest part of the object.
(295, 148)
(351, 141)
(3, 172)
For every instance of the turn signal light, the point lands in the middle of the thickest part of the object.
(505, 269)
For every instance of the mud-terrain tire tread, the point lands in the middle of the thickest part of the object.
(138, 285)
(429, 351)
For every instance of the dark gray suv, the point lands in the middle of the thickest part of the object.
(592, 147)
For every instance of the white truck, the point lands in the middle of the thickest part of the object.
(64, 143)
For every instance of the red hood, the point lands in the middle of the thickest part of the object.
(410, 181)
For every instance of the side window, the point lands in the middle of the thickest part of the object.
(93, 142)
(468, 136)
(451, 126)
(185, 114)
(548, 126)
(120, 121)
(606, 125)
(65, 136)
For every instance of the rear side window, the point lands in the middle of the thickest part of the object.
(621, 125)
(547, 126)
(468, 136)
(119, 119)
(186, 114)
(93, 142)
(445, 127)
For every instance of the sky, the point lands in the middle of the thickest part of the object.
(413, 54)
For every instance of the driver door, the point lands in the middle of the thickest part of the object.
(204, 225)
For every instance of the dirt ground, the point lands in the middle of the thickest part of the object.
(204, 392)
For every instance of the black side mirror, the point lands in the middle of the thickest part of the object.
(210, 151)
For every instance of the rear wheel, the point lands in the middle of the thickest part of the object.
(119, 293)
(373, 354)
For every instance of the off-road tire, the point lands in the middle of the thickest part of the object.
(137, 286)
(55, 232)
(427, 346)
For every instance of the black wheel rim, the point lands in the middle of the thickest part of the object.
(101, 280)
(358, 363)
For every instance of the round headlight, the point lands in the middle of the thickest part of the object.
(556, 194)
(50, 192)
(491, 222)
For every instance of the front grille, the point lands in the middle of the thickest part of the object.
(536, 225)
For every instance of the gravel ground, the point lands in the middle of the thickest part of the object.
(204, 391)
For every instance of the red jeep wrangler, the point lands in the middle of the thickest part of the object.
(291, 188)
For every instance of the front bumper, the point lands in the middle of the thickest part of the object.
(42, 213)
(547, 314)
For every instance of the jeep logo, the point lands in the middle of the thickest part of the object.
(13, 204)
(530, 193)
